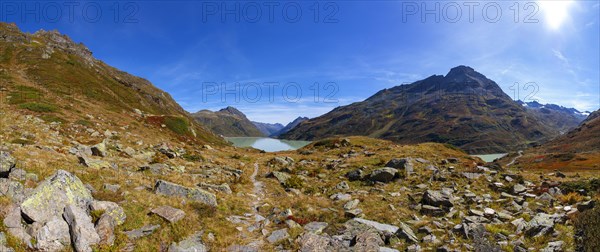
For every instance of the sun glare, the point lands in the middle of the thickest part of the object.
(555, 12)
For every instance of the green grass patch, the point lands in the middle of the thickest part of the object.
(84, 123)
(178, 125)
(52, 118)
(22, 141)
(39, 107)
(24, 94)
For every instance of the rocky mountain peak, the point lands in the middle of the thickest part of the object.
(460, 70)
(233, 111)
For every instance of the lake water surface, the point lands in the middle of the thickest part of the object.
(267, 144)
(490, 157)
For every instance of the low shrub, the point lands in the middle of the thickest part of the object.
(38, 107)
(178, 125)
(587, 230)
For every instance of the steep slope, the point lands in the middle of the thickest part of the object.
(47, 73)
(228, 122)
(268, 129)
(556, 116)
(463, 108)
(579, 149)
(290, 126)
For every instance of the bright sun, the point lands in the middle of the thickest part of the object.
(555, 12)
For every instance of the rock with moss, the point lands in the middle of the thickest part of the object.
(52, 196)
(171, 189)
(7, 162)
(192, 243)
(92, 162)
(110, 209)
(12, 189)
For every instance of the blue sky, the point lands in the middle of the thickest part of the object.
(197, 52)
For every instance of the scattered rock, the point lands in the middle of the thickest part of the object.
(93, 163)
(141, 232)
(378, 226)
(224, 188)
(7, 162)
(354, 175)
(341, 197)
(191, 244)
(53, 236)
(385, 174)
(404, 164)
(518, 188)
(315, 227)
(111, 188)
(278, 235)
(171, 189)
(99, 150)
(406, 232)
(539, 225)
(342, 186)
(351, 204)
(438, 198)
(280, 176)
(555, 246)
(169, 213)
(83, 233)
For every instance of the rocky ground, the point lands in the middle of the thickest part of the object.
(101, 187)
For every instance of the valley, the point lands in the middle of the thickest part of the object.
(95, 159)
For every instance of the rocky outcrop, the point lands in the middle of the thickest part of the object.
(52, 196)
(174, 190)
(83, 233)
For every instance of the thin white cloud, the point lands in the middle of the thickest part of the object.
(560, 56)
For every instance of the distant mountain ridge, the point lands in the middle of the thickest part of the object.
(228, 122)
(463, 108)
(290, 126)
(268, 129)
(558, 117)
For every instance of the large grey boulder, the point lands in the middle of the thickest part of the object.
(540, 225)
(405, 164)
(50, 197)
(385, 174)
(7, 162)
(53, 236)
(191, 244)
(438, 198)
(171, 189)
(12, 222)
(83, 233)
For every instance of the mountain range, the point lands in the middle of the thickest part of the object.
(463, 108)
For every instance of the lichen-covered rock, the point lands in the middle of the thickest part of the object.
(171, 189)
(7, 162)
(93, 163)
(52, 196)
(111, 209)
(278, 235)
(53, 236)
(193, 243)
(83, 233)
(12, 189)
